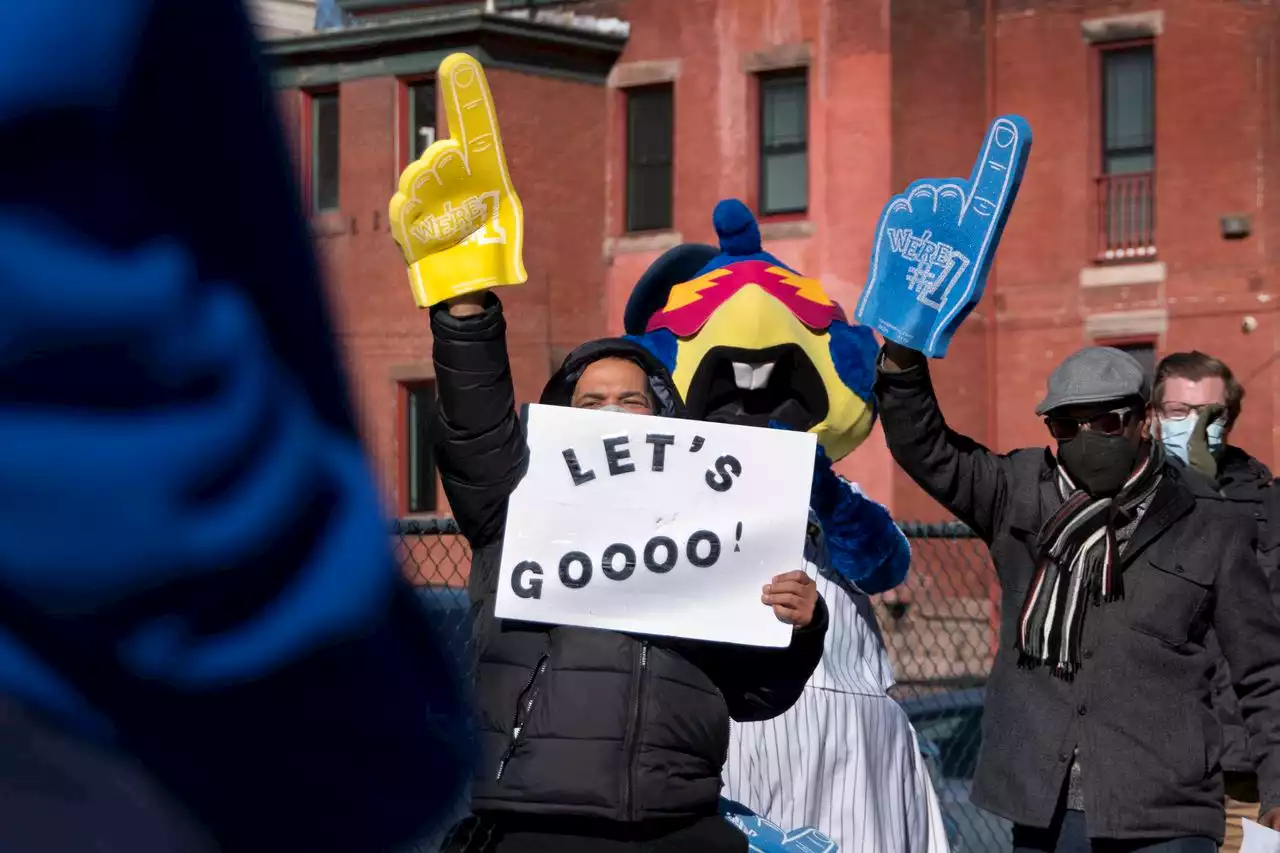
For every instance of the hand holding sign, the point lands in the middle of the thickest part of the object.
(935, 244)
(456, 217)
(793, 597)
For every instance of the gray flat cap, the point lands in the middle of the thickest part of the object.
(1095, 375)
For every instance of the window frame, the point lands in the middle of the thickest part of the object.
(631, 222)
(1113, 245)
(404, 117)
(406, 390)
(310, 161)
(764, 151)
(1104, 51)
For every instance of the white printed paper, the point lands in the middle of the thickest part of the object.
(681, 524)
(1258, 838)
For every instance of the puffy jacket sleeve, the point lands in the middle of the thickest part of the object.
(481, 447)
(759, 684)
(968, 479)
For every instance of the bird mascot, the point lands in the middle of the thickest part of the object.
(751, 341)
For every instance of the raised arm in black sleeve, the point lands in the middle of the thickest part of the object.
(759, 684)
(481, 448)
(956, 471)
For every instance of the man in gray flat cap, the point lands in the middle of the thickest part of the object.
(1113, 566)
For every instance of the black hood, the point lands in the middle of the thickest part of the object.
(559, 388)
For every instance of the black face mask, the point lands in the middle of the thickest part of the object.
(1097, 462)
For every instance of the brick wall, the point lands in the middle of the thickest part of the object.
(1213, 87)
(897, 91)
(553, 132)
(1215, 140)
(716, 148)
(939, 118)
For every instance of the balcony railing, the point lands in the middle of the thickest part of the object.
(1126, 216)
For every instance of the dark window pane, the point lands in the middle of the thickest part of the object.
(785, 182)
(784, 143)
(324, 151)
(1128, 102)
(422, 118)
(650, 133)
(420, 431)
(1146, 356)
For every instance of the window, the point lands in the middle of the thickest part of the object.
(650, 132)
(324, 151)
(1126, 186)
(420, 472)
(784, 143)
(1128, 110)
(1145, 353)
(422, 118)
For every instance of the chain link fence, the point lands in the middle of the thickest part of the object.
(940, 628)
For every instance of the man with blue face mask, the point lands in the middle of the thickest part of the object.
(1196, 400)
(1194, 403)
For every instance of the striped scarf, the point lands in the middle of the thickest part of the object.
(1078, 557)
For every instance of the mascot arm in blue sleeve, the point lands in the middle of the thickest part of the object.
(864, 544)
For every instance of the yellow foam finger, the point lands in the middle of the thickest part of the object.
(473, 119)
(456, 217)
(432, 211)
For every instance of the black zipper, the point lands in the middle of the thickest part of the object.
(524, 705)
(633, 733)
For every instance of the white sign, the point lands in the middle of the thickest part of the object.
(1258, 838)
(652, 525)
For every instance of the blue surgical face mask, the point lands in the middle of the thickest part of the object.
(1175, 435)
(1216, 436)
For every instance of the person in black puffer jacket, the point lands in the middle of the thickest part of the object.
(590, 739)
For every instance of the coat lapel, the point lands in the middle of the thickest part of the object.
(1172, 500)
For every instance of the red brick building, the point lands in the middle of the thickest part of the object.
(1148, 216)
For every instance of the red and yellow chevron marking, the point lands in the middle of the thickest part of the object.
(691, 303)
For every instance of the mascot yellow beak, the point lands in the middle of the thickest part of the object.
(750, 341)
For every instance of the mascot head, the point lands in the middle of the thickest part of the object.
(750, 340)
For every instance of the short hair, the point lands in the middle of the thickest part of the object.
(1196, 366)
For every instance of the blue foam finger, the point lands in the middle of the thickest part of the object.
(936, 241)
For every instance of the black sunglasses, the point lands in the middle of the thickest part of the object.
(1065, 428)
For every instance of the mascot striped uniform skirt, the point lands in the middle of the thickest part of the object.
(845, 758)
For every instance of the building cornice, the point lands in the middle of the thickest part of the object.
(416, 46)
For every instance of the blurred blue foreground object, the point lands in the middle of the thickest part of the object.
(196, 584)
(764, 836)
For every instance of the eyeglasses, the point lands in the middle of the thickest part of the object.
(1182, 411)
(1065, 428)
